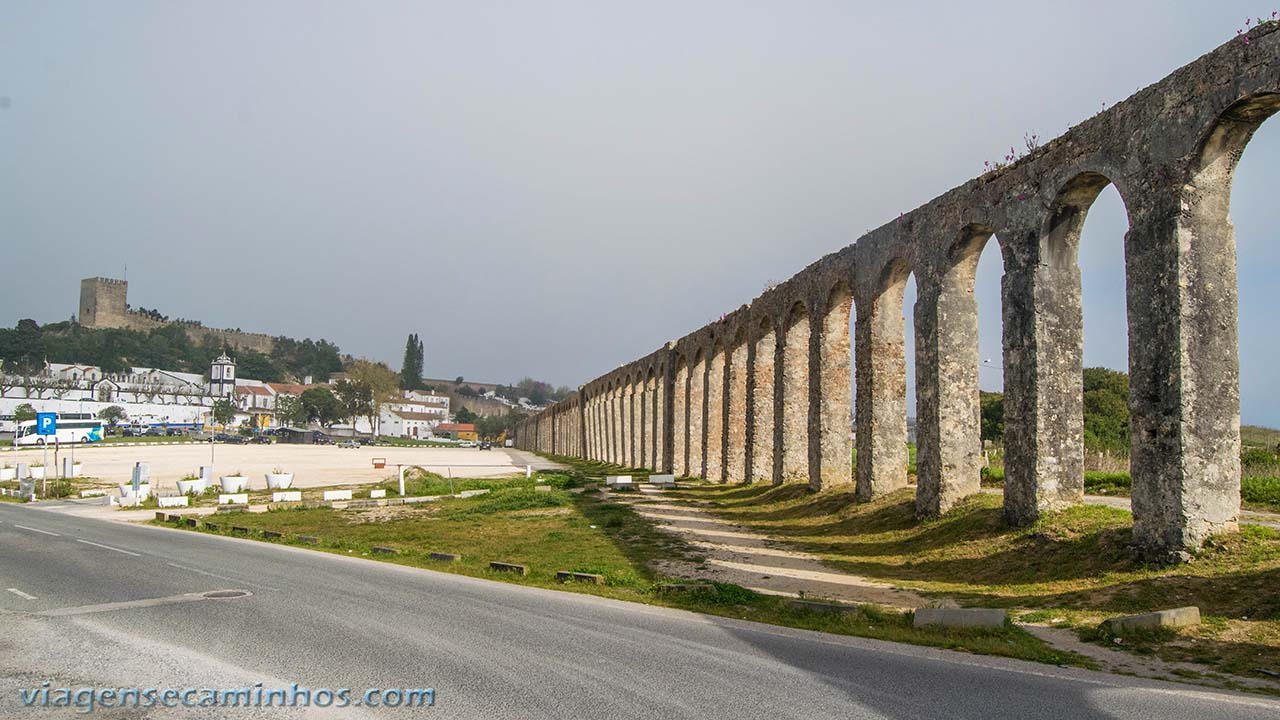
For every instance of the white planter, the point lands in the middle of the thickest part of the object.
(187, 487)
(279, 481)
(8, 474)
(37, 472)
(233, 483)
(234, 499)
(144, 490)
(337, 494)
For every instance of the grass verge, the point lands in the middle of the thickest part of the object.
(1073, 568)
(556, 529)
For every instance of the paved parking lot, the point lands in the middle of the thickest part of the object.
(312, 465)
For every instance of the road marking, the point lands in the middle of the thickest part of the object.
(21, 594)
(220, 577)
(127, 605)
(108, 547)
(44, 532)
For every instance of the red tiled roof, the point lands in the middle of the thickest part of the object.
(456, 427)
(252, 390)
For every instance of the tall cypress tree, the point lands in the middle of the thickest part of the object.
(411, 368)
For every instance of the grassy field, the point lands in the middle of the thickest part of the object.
(1073, 568)
(559, 529)
(1257, 492)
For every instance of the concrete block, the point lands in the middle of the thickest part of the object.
(160, 516)
(471, 493)
(1174, 618)
(614, 480)
(663, 480)
(233, 507)
(174, 501)
(383, 550)
(98, 492)
(174, 518)
(830, 607)
(590, 578)
(215, 527)
(241, 530)
(444, 557)
(337, 494)
(233, 499)
(959, 618)
(272, 534)
(309, 539)
(509, 567)
(287, 496)
(192, 522)
(380, 493)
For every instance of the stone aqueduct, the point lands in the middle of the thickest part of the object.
(763, 395)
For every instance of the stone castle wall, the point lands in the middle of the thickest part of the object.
(104, 304)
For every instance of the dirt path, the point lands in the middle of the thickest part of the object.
(736, 555)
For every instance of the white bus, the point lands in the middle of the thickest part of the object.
(72, 428)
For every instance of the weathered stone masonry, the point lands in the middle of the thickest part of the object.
(763, 394)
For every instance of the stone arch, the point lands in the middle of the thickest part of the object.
(625, 422)
(737, 368)
(762, 458)
(881, 403)
(680, 416)
(948, 412)
(698, 413)
(795, 393)
(1044, 341)
(1186, 434)
(832, 426)
(717, 364)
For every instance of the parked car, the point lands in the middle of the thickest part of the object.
(154, 432)
(467, 443)
(320, 438)
(230, 439)
(486, 445)
(260, 440)
(349, 444)
(176, 432)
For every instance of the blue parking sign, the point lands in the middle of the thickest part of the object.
(46, 423)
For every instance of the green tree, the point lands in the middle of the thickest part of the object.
(355, 399)
(411, 370)
(384, 386)
(224, 411)
(289, 411)
(1106, 410)
(992, 405)
(23, 413)
(321, 406)
(465, 416)
(113, 416)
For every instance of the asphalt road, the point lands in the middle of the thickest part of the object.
(490, 650)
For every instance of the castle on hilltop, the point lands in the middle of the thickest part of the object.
(104, 303)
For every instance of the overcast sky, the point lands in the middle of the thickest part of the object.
(553, 188)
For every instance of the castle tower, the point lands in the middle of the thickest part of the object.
(104, 303)
(222, 377)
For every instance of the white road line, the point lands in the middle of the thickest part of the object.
(221, 577)
(43, 532)
(108, 547)
(21, 594)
